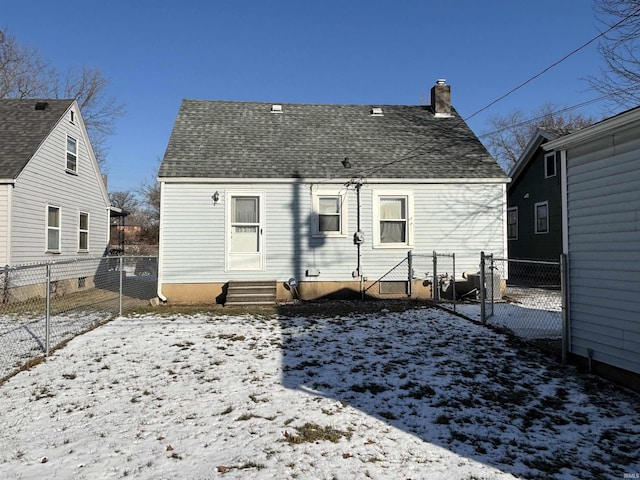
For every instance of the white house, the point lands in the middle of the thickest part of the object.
(53, 201)
(600, 168)
(332, 196)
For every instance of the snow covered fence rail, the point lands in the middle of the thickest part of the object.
(44, 305)
(526, 298)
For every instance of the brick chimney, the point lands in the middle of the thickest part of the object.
(441, 99)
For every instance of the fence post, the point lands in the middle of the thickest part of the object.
(47, 314)
(121, 270)
(5, 285)
(434, 286)
(410, 276)
(483, 313)
(492, 269)
(453, 281)
(564, 292)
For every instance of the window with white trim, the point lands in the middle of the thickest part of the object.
(541, 211)
(83, 232)
(330, 214)
(72, 154)
(550, 165)
(53, 229)
(512, 223)
(393, 214)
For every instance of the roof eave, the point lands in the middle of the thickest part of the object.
(594, 131)
(337, 180)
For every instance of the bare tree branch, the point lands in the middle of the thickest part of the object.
(511, 133)
(24, 74)
(620, 78)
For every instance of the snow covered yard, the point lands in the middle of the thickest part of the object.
(420, 394)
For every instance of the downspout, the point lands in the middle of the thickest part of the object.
(162, 298)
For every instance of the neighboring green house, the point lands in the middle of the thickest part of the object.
(534, 206)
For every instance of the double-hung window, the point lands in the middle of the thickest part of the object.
(512, 223)
(330, 216)
(550, 165)
(541, 211)
(53, 229)
(393, 220)
(83, 232)
(72, 154)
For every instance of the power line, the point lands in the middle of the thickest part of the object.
(562, 110)
(635, 12)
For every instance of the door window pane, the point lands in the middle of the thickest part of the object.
(245, 227)
(245, 210)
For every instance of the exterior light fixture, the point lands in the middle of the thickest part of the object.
(215, 197)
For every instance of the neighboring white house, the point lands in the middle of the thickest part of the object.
(601, 209)
(333, 196)
(53, 201)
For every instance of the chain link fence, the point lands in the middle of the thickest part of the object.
(43, 306)
(523, 297)
(526, 297)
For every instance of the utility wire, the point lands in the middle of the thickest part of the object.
(635, 12)
(562, 110)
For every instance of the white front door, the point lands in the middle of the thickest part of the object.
(244, 227)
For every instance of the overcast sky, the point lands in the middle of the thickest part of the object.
(371, 52)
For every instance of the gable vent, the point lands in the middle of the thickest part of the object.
(41, 105)
(276, 108)
(376, 112)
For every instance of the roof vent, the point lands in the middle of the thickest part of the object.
(276, 108)
(41, 105)
(376, 112)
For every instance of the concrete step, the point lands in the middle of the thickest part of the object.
(251, 293)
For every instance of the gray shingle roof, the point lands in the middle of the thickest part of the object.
(222, 139)
(22, 130)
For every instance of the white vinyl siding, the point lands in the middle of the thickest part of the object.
(43, 182)
(603, 205)
(5, 227)
(457, 218)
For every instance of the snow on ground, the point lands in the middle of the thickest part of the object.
(23, 337)
(420, 394)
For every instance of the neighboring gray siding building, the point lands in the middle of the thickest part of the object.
(263, 191)
(601, 193)
(53, 202)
